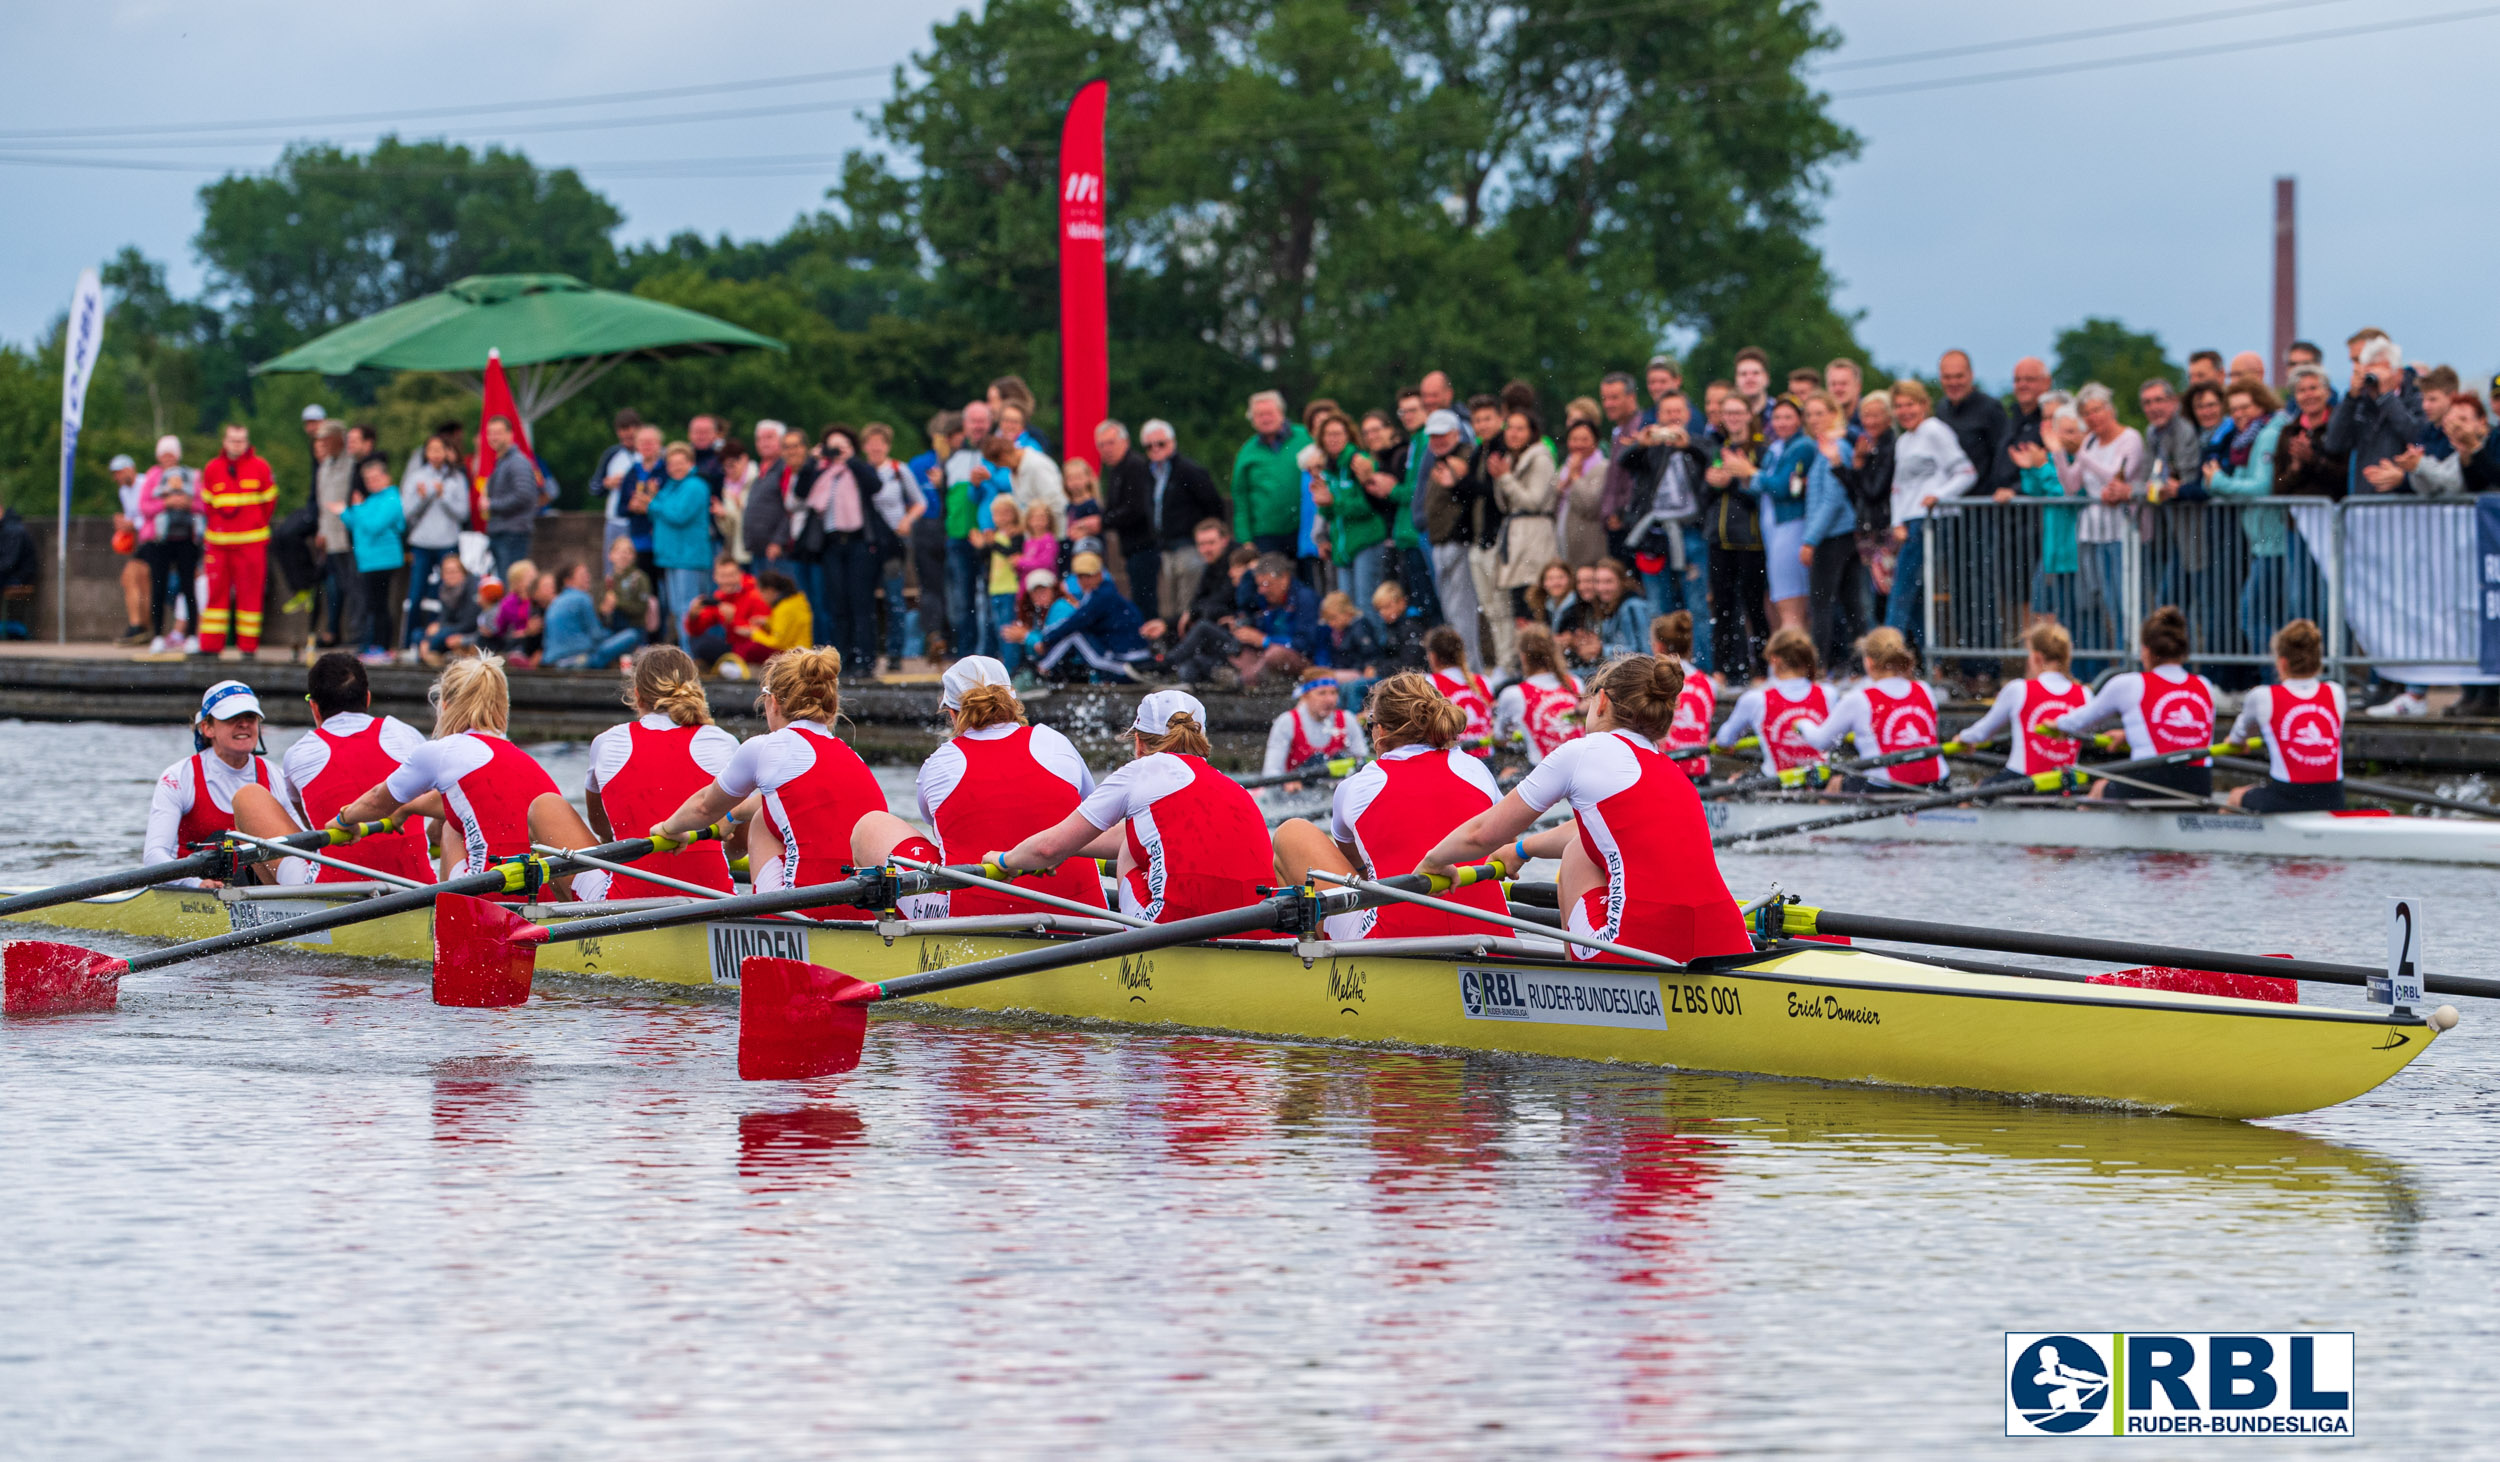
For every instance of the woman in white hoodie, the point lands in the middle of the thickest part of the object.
(1928, 466)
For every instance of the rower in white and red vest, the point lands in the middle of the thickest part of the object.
(1445, 655)
(2302, 718)
(1189, 839)
(1776, 709)
(225, 784)
(644, 770)
(342, 758)
(799, 789)
(497, 798)
(2165, 706)
(1541, 707)
(1389, 814)
(1637, 865)
(994, 783)
(2027, 709)
(1671, 638)
(1888, 712)
(1315, 726)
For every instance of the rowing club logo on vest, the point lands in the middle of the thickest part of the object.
(2178, 715)
(1780, 716)
(1552, 716)
(2041, 708)
(2308, 735)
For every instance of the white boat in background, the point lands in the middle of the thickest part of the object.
(2146, 828)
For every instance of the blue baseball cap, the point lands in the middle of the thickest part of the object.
(226, 700)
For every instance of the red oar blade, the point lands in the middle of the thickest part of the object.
(44, 978)
(484, 953)
(797, 1020)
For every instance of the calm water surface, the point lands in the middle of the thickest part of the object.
(282, 1205)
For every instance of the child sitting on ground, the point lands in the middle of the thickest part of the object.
(505, 624)
(454, 627)
(627, 603)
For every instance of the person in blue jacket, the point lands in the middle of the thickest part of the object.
(681, 536)
(377, 529)
(1098, 640)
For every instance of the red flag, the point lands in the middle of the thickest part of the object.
(498, 403)
(1084, 306)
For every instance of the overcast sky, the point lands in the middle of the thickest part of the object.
(1987, 216)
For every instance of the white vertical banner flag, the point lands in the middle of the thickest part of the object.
(80, 343)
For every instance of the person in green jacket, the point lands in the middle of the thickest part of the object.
(1267, 478)
(1358, 535)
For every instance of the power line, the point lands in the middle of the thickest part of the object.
(593, 124)
(2202, 17)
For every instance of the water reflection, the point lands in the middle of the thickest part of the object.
(479, 1099)
(778, 1151)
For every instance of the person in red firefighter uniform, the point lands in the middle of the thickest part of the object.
(240, 496)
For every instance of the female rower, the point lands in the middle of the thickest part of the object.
(223, 785)
(1776, 709)
(800, 790)
(1637, 866)
(1542, 707)
(1387, 815)
(996, 783)
(2166, 707)
(1189, 839)
(2029, 707)
(347, 752)
(1315, 727)
(1889, 712)
(1445, 656)
(495, 800)
(1671, 639)
(2302, 719)
(644, 770)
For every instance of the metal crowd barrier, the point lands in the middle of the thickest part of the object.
(2408, 591)
(2239, 568)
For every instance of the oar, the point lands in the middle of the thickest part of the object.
(1820, 772)
(1384, 890)
(1796, 919)
(2065, 779)
(1316, 769)
(797, 1020)
(998, 879)
(217, 862)
(2111, 774)
(2387, 791)
(1742, 743)
(43, 976)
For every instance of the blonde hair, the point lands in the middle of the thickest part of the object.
(666, 679)
(2048, 640)
(1642, 689)
(1537, 651)
(1886, 652)
(1910, 388)
(471, 695)
(1793, 648)
(518, 578)
(989, 705)
(1340, 602)
(807, 681)
(1407, 708)
(1181, 734)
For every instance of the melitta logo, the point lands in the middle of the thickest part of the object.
(2093, 1383)
(1083, 188)
(2306, 735)
(1080, 206)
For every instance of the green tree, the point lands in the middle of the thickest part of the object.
(2107, 351)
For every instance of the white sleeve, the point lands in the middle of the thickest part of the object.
(2000, 717)
(608, 752)
(400, 739)
(1741, 722)
(1279, 744)
(166, 805)
(938, 776)
(1353, 795)
(747, 766)
(1108, 804)
(302, 762)
(1355, 745)
(712, 749)
(1854, 716)
(1510, 712)
(1059, 756)
(2110, 700)
(1471, 770)
(284, 790)
(2256, 709)
(1549, 781)
(415, 776)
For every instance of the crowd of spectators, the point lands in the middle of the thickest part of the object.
(1333, 536)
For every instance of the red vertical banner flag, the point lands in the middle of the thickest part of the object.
(1084, 303)
(499, 402)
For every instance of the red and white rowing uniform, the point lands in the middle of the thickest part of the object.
(1695, 705)
(194, 802)
(1395, 810)
(1892, 714)
(1774, 711)
(1544, 706)
(992, 787)
(2167, 708)
(1470, 694)
(488, 785)
(2030, 705)
(342, 759)
(2303, 723)
(1196, 843)
(644, 771)
(816, 789)
(1640, 820)
(1297, 736)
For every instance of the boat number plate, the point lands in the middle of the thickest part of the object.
(253, 913)
(1563, 997)
(732, 943)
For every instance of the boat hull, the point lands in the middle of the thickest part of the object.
(2276, 835)
(1818, 1012)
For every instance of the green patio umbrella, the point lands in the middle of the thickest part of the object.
(556, 335)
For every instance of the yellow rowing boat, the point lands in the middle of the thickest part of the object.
(1817, 1012)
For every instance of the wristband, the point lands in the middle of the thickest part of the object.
(1519, 850)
